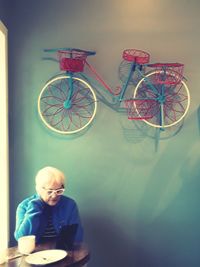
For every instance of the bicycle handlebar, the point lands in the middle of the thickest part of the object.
(88, 53)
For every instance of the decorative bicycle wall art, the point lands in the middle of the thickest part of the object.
(159, 95)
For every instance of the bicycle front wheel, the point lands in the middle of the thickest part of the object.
(169, 103)
(51, 104)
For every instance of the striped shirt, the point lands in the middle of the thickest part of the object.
(49, 230)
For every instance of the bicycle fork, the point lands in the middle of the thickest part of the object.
(68, 103)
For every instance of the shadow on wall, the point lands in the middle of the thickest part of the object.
(152, 246)
(136, 131)
(169, 174)
(110, 247)
(156, 244)
(165, 229)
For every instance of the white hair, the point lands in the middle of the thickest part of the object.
(49, 174)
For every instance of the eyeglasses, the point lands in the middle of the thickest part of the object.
(58, 192)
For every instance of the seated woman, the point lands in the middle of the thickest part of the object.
(49, 214)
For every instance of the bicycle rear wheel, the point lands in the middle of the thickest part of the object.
(53, 112)
(171, 101)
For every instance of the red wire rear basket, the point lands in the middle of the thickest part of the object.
(168, 73)
(72, 61)
(140, 109)
(137, 56)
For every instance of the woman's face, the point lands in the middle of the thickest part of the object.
(51, 192)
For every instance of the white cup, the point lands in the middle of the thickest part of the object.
(26, 244)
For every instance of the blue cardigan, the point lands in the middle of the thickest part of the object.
(31, 217)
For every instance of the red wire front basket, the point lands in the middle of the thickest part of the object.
(168, 73)
(72, 61)
(140, 109)
(137, 56)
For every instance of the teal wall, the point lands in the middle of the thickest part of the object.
(139, 204)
